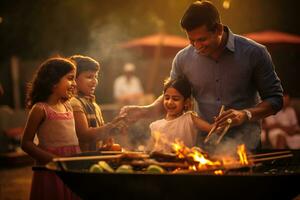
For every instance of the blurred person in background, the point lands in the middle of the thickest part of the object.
(90, 127)
(128, 89)
(283, 129)
(223, 68)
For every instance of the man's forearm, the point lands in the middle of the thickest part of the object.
(156, 108)
(261, 110)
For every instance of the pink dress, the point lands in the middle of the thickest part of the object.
(57, 135)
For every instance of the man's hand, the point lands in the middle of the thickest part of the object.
(237, 117)
(133, 113)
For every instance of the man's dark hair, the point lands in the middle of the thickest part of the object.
(200, 13)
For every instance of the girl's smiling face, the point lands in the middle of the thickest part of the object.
(87, 82)
(65, 87)
(173, 103)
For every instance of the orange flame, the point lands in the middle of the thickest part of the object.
(180, 149)
(201, 161)
(195, 153)
(200, 158)
(241, 151)
(218, 172)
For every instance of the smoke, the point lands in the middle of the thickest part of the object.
(248, 134)
(105, 40)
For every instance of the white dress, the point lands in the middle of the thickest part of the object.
(164, 132)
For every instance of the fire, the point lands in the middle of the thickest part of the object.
(198, 160)
(180, 149)
(241, 151)
(218, 172)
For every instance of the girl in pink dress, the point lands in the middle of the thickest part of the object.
(51, 119)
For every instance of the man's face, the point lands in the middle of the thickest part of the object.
(205, 42)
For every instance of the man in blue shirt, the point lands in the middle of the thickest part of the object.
(223, 69)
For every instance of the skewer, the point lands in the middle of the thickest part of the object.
(214, 127)
(268, 154)
(87, 158)
(106, 157)
(224, 131)
(120, 152)
(271, 158)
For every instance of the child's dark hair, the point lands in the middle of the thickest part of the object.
(181, 84)
(84, 63)
(47, 75)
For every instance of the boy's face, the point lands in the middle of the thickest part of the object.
(173, 103)
(87, 82)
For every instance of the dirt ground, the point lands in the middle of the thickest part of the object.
(15, 183)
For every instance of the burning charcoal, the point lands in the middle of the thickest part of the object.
(199, 150)
(133, 155)
(163, 156)
(182, 171)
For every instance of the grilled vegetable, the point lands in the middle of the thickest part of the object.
(124, 169)
(96, 168)
(155, 169)
(105, 166)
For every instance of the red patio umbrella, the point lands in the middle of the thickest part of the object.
(147, 45)
(156, 46)
(273, 37)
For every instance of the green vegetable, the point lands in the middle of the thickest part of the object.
(155, 169)
(105, 166)
(96, 169)
(124, 169)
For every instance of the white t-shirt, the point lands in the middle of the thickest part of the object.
(181, 128)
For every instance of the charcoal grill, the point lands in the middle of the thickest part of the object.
(275, 179)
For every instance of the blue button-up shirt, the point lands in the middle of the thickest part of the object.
(242, 77)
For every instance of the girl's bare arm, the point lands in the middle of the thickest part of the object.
(86, 133)
(34, 120)
(201, 124)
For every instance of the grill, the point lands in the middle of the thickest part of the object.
(272, 179)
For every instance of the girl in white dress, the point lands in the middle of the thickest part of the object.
(179, 123)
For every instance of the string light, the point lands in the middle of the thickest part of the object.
(226, 4)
